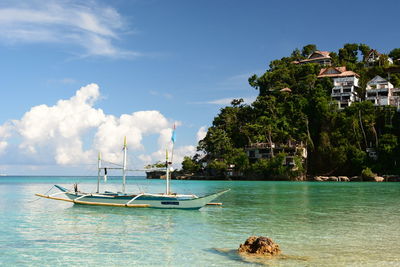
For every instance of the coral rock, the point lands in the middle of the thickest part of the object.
(260, 246)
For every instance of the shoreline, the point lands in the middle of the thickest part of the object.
(311, 178)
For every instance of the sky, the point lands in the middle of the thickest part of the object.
(78, 76)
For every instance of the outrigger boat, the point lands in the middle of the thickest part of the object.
(165, 200)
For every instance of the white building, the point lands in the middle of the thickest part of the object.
(345, 84)
(381, 92)
(373, 58)
(257, 151)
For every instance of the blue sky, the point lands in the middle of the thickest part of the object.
(137, 67)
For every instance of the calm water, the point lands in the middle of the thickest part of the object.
(315, 224)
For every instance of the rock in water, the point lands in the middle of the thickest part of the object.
(260, 245)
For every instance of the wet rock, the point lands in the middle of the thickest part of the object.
(260, 245)
(333, 178)
(379, 179)
(391, 178)
(318, 179)
(356, 179)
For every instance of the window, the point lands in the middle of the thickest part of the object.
(383, 93)
(252, 154)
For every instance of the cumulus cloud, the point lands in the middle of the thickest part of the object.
(87, 24)
(110, 133)
(73, 131)
(5, 132)
(61, 126)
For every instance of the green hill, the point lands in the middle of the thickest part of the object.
(339, 141)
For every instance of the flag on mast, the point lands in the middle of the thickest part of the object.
(173, 134)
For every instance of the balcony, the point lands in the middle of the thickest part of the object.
(378, 90)
(347, 89)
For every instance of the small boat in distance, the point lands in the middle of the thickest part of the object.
(167, 200)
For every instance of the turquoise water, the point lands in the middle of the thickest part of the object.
(315, 224)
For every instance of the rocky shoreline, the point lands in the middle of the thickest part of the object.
(384, 178)
(317, 178)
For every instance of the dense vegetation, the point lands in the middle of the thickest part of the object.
(336, 140)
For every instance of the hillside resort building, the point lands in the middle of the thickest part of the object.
(381, 92)
(346, 82)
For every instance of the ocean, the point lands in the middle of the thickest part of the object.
(315, 224)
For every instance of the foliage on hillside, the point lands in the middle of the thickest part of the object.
(337, 140)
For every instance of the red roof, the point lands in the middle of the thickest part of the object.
(320, 55)
(323, 53)
(336, 72)
(374, 51)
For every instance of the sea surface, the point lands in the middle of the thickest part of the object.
(315, 224)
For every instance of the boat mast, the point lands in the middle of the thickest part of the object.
(167, 192)
(98, 171)
(124, 168)
(167, 163)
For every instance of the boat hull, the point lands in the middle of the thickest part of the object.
(144, 200)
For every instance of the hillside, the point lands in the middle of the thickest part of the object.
(314, 115)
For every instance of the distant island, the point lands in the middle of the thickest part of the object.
(318, 115)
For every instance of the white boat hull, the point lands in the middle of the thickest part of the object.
(143, 200)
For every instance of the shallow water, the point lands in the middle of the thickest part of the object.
(315, 224)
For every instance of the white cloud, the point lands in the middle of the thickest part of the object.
(146, 159)
(182, 151)
(62, 81)
(72, 131)
(5, 130)
(178, 154)
(134, 126)
(87, 24)
(163, 95)
(201, 133)
(227, 101)
(59, 128)
(3, 146)
(222, 101)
